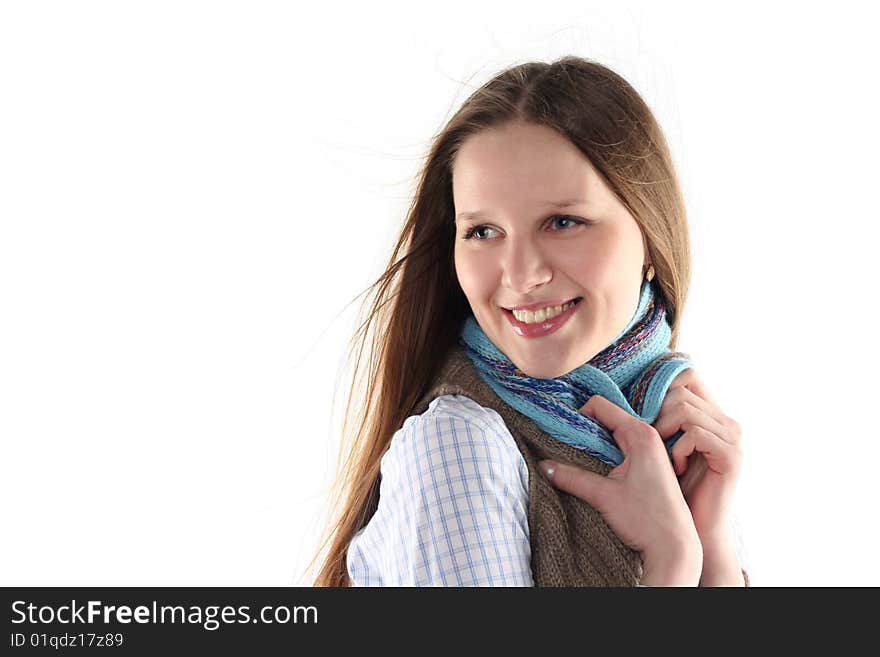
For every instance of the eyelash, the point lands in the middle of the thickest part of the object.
(473, 229)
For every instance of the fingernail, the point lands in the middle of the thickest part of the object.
(547, 468)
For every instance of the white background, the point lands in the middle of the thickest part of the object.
(191, 193)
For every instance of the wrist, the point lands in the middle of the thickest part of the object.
(721, 566)
(679, 565)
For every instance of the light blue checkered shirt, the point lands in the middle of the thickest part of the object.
(452, 504)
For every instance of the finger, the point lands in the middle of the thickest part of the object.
(696, 469)
(690, 380)
(713, 419)
(681, 451)
(582, 483)
(679, 393)
(682, 412)
(618, 421)
(719, 454)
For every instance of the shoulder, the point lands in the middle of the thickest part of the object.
(456, 433)
(460, 417)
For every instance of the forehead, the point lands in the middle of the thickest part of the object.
(521, 166)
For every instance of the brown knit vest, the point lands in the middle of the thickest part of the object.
(571, 544)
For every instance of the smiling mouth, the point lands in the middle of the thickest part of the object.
(574, 302)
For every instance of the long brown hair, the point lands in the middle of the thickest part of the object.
(416, 306)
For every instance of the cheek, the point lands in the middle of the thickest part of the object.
(597, 261)
(475, 277)
(583, 264)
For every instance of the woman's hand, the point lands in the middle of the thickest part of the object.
(707, 457)
(640, 499)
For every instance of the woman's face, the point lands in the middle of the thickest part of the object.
(526, 248)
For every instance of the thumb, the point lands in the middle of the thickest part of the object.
(588, 486)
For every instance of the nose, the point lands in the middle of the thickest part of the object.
(525, 266)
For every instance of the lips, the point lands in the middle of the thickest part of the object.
(540, 329)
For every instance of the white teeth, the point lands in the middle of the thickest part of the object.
(530, 317)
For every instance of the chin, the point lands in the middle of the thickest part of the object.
(552, 368)
(539, 372)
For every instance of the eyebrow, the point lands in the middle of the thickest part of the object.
(559, 205)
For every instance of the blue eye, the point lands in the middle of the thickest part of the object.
(567, 218)
(472, 231)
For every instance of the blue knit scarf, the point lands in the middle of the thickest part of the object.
(634, 372)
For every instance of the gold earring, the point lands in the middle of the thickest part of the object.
(649, 275)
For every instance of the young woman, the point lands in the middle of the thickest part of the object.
(525, 421)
